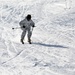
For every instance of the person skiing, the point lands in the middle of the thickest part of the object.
(26, 25)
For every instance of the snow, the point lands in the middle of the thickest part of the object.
(52, 50)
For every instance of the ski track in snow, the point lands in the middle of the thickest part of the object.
(52, 48)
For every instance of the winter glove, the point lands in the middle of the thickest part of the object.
(33, 26)
(23, 26)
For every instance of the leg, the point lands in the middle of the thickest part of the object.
(22, 36)
(29, 36)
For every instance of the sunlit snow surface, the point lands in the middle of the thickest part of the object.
(52, 51)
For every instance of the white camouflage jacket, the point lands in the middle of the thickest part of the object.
(25, 24)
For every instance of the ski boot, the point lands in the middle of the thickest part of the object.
(29, 41)
(22, 41)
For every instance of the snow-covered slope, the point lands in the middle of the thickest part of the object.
(52, 50)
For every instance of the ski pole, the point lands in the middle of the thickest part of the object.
(16, 28)
(32, 28)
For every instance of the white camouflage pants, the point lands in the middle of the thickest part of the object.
(29, 34)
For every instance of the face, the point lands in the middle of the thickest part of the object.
(28, 17)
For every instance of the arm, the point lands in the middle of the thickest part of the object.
(22, 24)
(33, 24)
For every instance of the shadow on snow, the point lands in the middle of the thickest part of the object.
(48, 45)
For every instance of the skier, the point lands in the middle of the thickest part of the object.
(26, 25)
